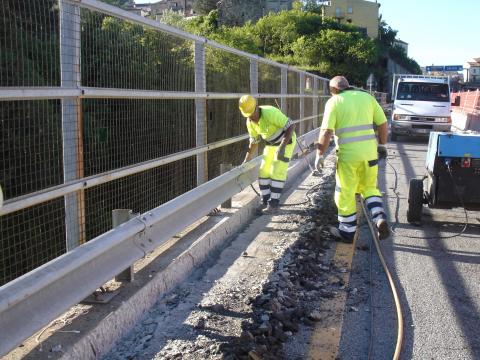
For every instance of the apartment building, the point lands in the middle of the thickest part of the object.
(361, 13)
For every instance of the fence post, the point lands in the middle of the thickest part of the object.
(315, 103)
(201, 111)
(303, 125)
(223, 169)
(283, 89)
(72, 138)
(253, 76)
(120, 216)
(253, 90)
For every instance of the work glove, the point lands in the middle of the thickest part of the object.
(319, 162)
(382, 151)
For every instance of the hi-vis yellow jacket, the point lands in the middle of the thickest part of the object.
(351, 115)
(270, 127)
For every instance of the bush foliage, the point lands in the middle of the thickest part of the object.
(301, 37)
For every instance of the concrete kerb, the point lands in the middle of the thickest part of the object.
(102, 338)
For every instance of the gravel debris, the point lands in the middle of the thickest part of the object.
(264, 308)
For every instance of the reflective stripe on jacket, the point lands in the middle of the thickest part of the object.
(270, 127)
(351, 115)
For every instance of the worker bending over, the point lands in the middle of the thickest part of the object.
(277, 130)
(350, 114)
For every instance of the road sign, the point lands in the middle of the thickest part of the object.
(453, 67)
(444, 68)
(370, 80)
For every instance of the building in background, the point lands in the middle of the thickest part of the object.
(401, 44)
(183, 6)
(238, 12)
(471, 71)
(361, 13)
(156, 9)
(139, 9)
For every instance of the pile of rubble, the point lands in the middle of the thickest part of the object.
(256, 314)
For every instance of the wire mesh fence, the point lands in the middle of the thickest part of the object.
(50, 144)
(119, 54)
(29, 43)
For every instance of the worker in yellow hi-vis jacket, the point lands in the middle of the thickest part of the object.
(277, 130)
(351, 114)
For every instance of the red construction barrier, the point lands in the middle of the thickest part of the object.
(466, 116)
(469, 102)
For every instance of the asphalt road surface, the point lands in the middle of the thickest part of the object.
(438, 278)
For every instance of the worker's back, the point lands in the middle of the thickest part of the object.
(345, 113)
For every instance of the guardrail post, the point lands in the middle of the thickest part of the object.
(253, 76)
(223, 169)
(200, 111)
(72, 122)
(120, 216)
(315, 103)
(303, 126)
(283, 90)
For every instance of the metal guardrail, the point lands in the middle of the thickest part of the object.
(103, 140)
(27, 304)
(90, 107)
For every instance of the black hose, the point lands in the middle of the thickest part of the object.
(436, 236)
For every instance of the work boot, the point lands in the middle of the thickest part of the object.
(383, 230)
(335, 232)
(261, 208)
(270, 210)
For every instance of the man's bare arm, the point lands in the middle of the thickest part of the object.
(382, 133)
(324, 140)
(250, 151)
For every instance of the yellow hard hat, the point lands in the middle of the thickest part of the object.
(247, 105)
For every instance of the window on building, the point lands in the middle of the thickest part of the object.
(338, 12)
(350, 9)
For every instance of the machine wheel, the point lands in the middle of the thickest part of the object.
(415, 201)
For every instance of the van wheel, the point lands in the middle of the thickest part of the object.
(415, 201)
(393, 136)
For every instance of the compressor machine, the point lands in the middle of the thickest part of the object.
(453, 175)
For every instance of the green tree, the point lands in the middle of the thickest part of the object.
(119, 3)
(312, 6)
(336, 52)
(386, 35)
(389, 50)
(173, 18)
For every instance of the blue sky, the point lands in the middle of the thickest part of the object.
(439, 32)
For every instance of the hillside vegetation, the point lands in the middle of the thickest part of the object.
(301, 37)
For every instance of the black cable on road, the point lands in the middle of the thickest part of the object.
(397, 208)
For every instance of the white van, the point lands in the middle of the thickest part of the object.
(421, 104)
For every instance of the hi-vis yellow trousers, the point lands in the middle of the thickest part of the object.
(356, 177)
(273, 172)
